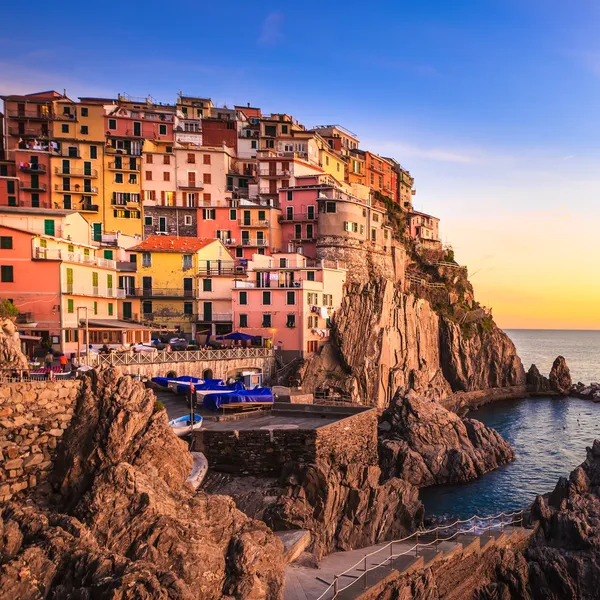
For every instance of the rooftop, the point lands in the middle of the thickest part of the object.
(172, 243)
(56, 212)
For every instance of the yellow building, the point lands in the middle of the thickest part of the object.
(331, 162)
(76, 159)
(170, 271)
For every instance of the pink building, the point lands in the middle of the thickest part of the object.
(425, 229)
(289, 299)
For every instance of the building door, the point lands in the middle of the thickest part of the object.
(245, 238)
(49, 226)
(273, 186)
(66, 166)
(247, 218)
(147, 286)
(260, 238)
(289, 213)
(309, 231)
(191, 179)
(298, 231)
(207, 312)
(137, 128)
(310, 212)
(188, 287)
(87, 168)
(272, 168)
(127, 312)
(97, 231)
(162, 224)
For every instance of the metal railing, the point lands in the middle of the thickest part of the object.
(253, 222)
(471, 526)
(190, 185)
(59, 187)
(298, 217)
(166, 292)
(76, 172)
(162, 356)
(73, 257)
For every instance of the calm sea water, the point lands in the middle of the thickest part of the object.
(581, 350)
(549, 435)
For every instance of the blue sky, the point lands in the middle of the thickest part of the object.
(492, 105)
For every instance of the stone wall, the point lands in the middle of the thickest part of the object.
(175, 220)
(33, 417)
(351, 439)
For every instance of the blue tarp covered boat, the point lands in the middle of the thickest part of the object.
(214, 401)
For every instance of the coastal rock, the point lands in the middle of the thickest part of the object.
(485, 359)
(124, 523)
(560, 376)
(536, 382)
(345, 507)
(563, 560)
(429, 445)
(11, 356)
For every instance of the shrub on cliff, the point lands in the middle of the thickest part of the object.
(8, 310)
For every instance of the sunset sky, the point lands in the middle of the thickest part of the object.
(491, 104)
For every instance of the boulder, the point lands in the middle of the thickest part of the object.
(536, 382)
(345, 507)
(560, 376)
(11, 356)
(429, 445)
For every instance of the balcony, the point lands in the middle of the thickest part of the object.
(73, 257)
(90, 290)
(123, 166)
(163, 293)
(268, 174)
(303, 238)
(29, 115)
(70, 116)
(288, 285)
(32, 168)
(214, 318)
(298, 217)
(253, 223)
(34, 132)
(24, 318)
(31, 187)
(59, 187)
(87, 207)
(93, 173)
(126, 266)
(124, 151)
(190, 185)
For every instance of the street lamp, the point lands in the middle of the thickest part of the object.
(87, 336)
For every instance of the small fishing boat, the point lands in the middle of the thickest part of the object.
(182, 426)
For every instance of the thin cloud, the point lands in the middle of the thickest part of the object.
(271, 32)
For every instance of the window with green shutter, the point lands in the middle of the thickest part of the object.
(6, 242)
(49, 226)
(108, 254)
(70, 306)
(109, 282)
(93, 151)
(95, 308)
(6, 274)
(69, 281)
(95, 279)
(110, 309)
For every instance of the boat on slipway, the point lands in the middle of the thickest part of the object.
(183, 425)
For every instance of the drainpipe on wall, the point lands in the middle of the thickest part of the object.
(60, 309)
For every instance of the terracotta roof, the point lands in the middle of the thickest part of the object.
(172, 243)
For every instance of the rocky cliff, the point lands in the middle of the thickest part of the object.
(386, 339)
(425, 444)
(123, 522)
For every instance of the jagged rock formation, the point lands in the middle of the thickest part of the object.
(345, 507)
(425, 444)
(485, 359)
(124, 523)
(560, 376)
(536, 382)
(11, 356)
(564, 560)
(386, 339)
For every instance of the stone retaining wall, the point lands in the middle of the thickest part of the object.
(259, 452)
(33, 417)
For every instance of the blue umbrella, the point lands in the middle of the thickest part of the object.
(238, 335)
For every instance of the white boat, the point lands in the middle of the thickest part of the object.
(181, 426)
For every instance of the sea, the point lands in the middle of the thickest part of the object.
(549, 435)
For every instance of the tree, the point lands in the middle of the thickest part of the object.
(7, 309)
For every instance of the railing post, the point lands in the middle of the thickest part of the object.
(437, 535)
(365, 571)
(417, 545)
(335, 586)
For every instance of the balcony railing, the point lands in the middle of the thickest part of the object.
(298, 217)
(277, 174)
(60, 187)
(30, 187)
(28, 132)
(29, 114)
(32, 168)
(64, 116)
(76, 172)
(162, 292)
(253, 222)
(288, 285)
(73, 257)
(93, 291)
(245, 242)
(214, 317)
(221, 268)
(89, 207)
(190, 185)
(123, 166)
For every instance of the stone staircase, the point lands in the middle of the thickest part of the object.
(358, 574)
